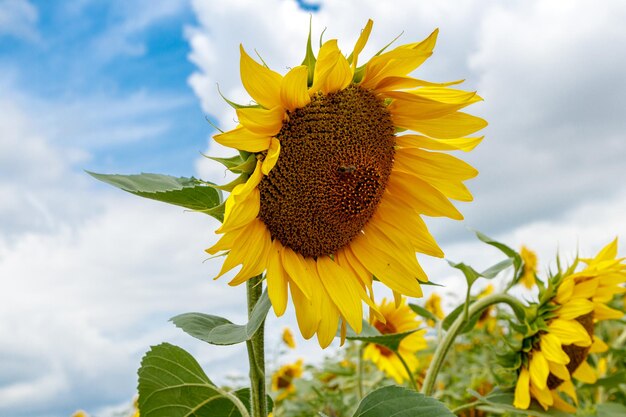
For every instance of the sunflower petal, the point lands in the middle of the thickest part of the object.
(585, 373)
(360, 43)
(306, 314)
(598, 346)
(332, 70)
(457, 144)
(276, 279)
(539, 370)
(260, 82)
(522, 390)
(294, 92)
(453, 125)
(243, 139)
(272, 156)
(575, 307)
(262, 121)
(551, 347)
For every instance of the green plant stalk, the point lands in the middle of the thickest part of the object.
(359, 372)
(256, 353)
(408, 371)
(446, 343)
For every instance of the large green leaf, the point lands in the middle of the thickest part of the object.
(370, 334)
(220, 331)
(611, 410)
(172, 384)
(190, 193)
(400, 402)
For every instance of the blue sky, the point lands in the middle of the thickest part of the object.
(90, 274)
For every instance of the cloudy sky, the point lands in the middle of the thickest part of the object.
(89, 275)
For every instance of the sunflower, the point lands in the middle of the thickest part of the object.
(558, 351)
(288, 338)
(433, 304)
(529, 270)
(396, 319)
(282, 380)
(335, 194)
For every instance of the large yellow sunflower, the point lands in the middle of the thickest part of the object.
(336, 194)
(396, 319)
(558, 351)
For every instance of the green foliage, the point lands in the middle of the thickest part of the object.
(172, 384)
(190, 193)
(309, 58)
(421, 311)
(370, 334)
(400, 402)
(220, 331)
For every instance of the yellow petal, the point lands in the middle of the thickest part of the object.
(411, 105)
(418, 141)
(575, 307)
(298, 271)
(360, 43)
(260, 82)
(522, 393)
(306, 314)
(559, 370)
(453, 125)
(543, 396)
(423, 197)
(551, 347)
(262, 121)
(340, 288)
(243, 203)
(332, 70)
(256, 247)
(294, 92)
(585, 373)
(386, 268)
(585, 289)
(603, 312)
(568, 388)
(276, 279)
(329, 320)
(225, 243)
(243, 139)
(561, 404)
(565, 291)
(402, 82)
(569, 332)
(539, 369)
(272, 156)
(598, 346)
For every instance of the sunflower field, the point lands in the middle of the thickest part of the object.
(337, 162)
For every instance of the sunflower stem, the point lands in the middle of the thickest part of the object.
(455, 329)
(408, 371)
(359, 372)
(256, 353)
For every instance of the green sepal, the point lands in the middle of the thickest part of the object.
(309, 58)
(220, 331)
(237, 106)
(237, 164)
(509, 360)
(231, 185)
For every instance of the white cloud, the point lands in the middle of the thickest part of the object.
(18, 18)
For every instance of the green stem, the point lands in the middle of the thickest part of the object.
(466, 406)
(408, 371)
(444, 346)
(359, 372)
(256, 353)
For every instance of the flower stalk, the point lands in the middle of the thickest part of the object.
(256, 353)
(455, 329)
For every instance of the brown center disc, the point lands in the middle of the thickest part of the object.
(335, 159)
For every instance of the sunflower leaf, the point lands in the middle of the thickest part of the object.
(220, 331)
(494, 270)
(471, 275)
(171, 383)
(370, 334)
(517, 259)
(190, 193)
(400, 402)
(421, 311)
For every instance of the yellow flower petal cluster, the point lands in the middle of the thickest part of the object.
(288, 338)
(337, 193)
(559, 352)
(397, 319)
(433, 304)
(282, 380)
(529, 258)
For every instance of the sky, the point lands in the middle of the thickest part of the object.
(90, 275)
